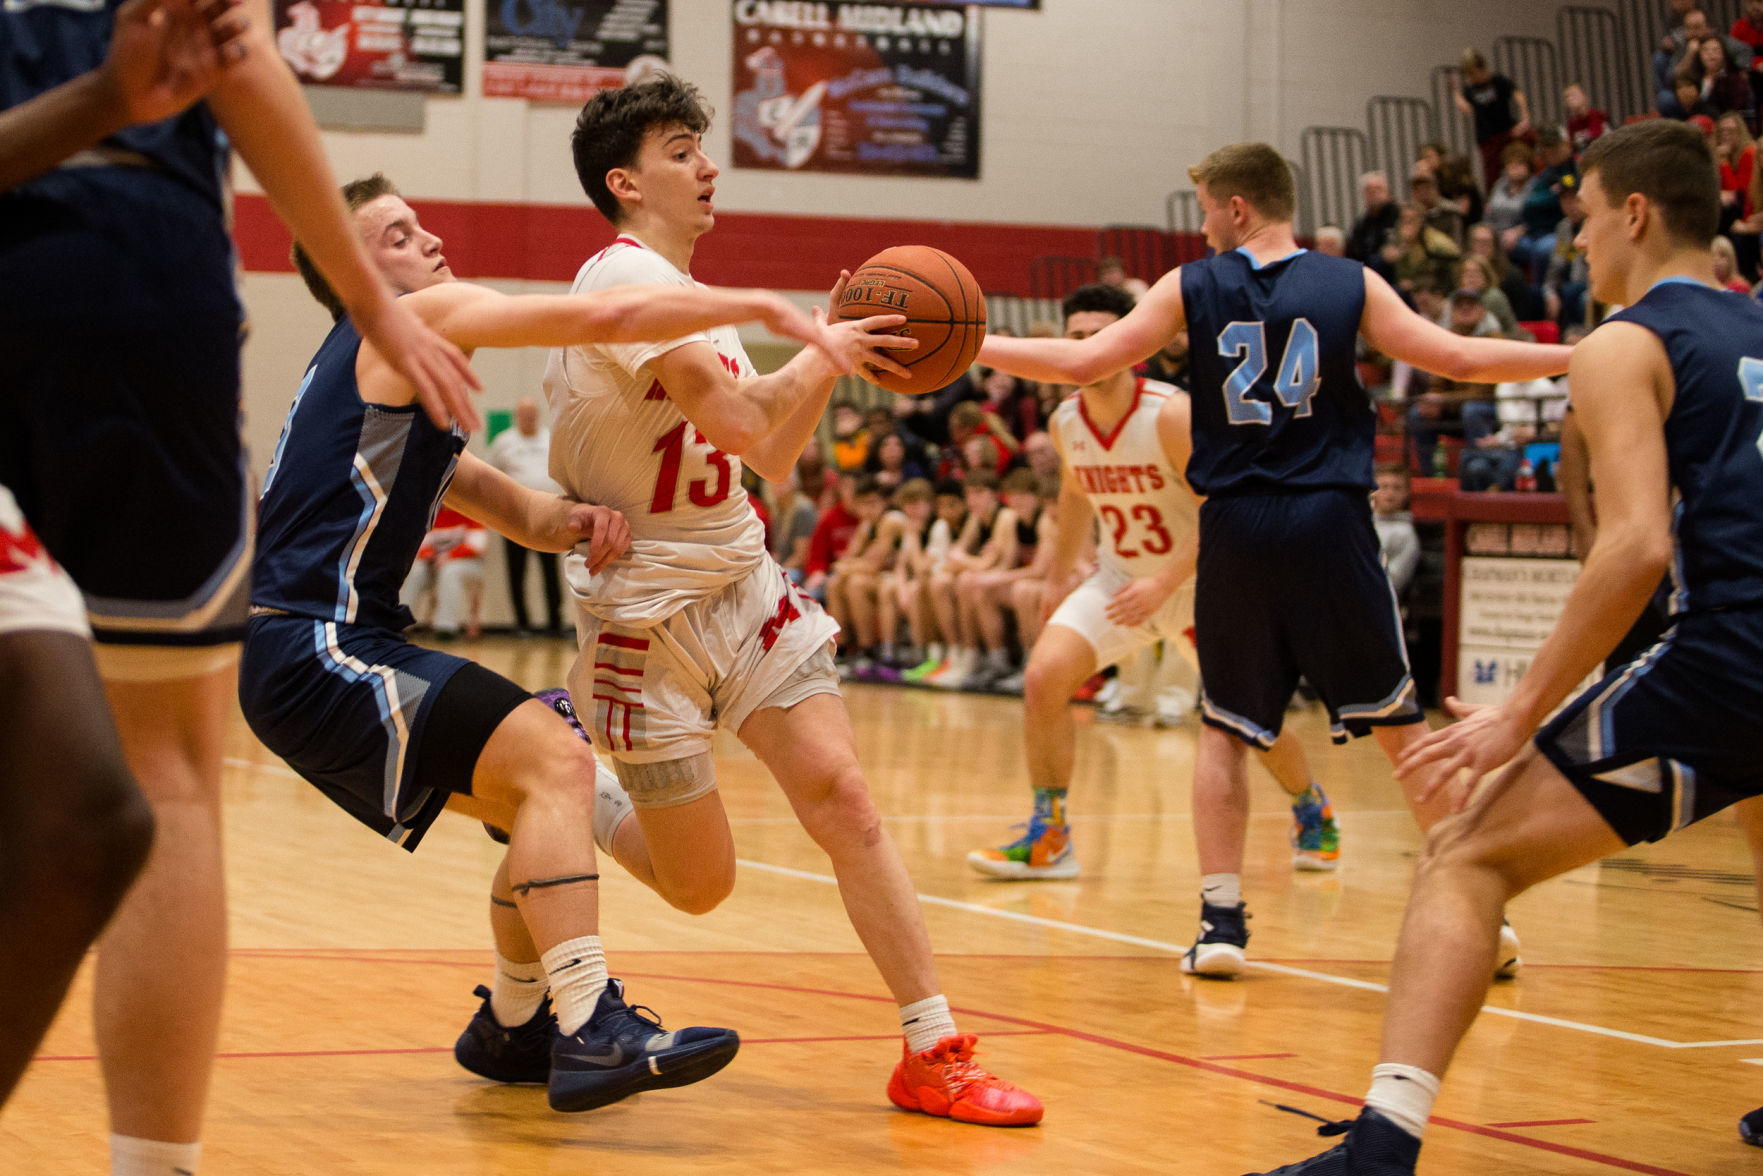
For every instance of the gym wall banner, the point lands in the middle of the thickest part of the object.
(374, 44)
(877, 89)
(569, 50)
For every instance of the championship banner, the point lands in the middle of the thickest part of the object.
(374, 44)
(569, 50)
(879, 89)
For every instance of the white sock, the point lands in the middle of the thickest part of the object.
(1403, 1095)
(518, 991)
(926, 1022)
(1221, 890)
(611, 806)
(152, 1157)
(577, 968)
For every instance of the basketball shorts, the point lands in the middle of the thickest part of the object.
(384, 728)
(35, 594)
(1671, 737)
(1289, 586)
(119, 393)
(1085, 612)
(659, 692)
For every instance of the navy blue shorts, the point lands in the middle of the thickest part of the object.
(384, 728)
(1289, 586)
(1671, 737)
(119, 393)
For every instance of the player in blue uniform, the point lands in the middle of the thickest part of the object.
(1669, 397)
(1290, 580)
(119, 333)
(394, 733)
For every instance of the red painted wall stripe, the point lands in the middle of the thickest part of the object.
(549, 242)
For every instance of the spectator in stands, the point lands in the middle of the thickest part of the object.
(850, 437)
(1111, 271)
(1041, 457)
(1331, 242)
(524, 454)
(923, 563)
(450, 562)
(991, 448)
(1687, 53)
(1726, 267)
(1499, 107)
(1456, 179)
(1748, 30)
(900, 587)
(1584, 122)
(1021, 548)
(1170, 362)
(819, 483)
(1467, 314)
(1564, 286)
(1419, 252)
(892, 463)
(1015, 402)
(1439, 214)
(1726, 87)
(1446, 405)
(1506, 196)
(1395, 526)
(1737, 154)
(1485, 245)
(791, 525)
(1689, 103)
(832, 535)
(854, 583)
(1542, 207)
(1376, 222)
(970, 552)
(927, 416)
(1670, 48)
(1477, 277)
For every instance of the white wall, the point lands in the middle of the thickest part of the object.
(1092, 110)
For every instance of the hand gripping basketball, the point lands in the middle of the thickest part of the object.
(945, 312)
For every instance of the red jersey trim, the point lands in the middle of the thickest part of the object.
(1138, 392)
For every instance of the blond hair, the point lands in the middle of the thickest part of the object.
(1254, 171)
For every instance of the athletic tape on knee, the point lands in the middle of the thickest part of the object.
(670, 782)
(817, 675)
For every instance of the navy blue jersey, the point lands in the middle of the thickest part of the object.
(53, 41)
(1277, 402)
(351, 492)
(1714, 339)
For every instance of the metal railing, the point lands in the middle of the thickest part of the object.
(1592, 55)
(1054, 276)
(1017, 314)
(1456, 129)
(1534, 65)
(1399, 126)
(1145, 250)
(1333, 160)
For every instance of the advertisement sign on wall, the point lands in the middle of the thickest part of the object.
(1509, 606)
(879, 89)
(568, 50)
(381, 45)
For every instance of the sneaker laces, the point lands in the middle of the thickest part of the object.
(953, 1057)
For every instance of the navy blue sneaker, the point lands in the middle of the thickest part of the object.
(1219, 952)
(1374, 1147)
(623, 1049)
(520, 1054)
(1751, 1128)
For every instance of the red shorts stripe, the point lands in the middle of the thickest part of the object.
(617, 669)
(637, 643)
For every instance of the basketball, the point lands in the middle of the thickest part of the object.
(944, 311)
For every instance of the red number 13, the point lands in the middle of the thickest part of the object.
(671, 445)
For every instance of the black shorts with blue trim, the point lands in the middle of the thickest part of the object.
(386, 729)
(1671, 737)
(119, 392)
(1293, 585)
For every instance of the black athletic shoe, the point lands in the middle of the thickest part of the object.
(623, 1049)
(1219, 951)
(1751, 1128)
(520, 1054)
(1374, 1147)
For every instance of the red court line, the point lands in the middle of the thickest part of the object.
(1245, 1057)
(1545, 1123)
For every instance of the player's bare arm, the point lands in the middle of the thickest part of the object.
(1138, 600)
(1390, 326)
(164, 55)
(259, 105)
(543, 522)
(1157, 318)
(1622, 392)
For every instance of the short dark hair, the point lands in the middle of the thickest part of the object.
(1670, 164)
(866, 487)
(1254, 171)
(949, 487)
(1020, 480)
(610, 130)
(981, 479)
(355, 194)
(1097, 296)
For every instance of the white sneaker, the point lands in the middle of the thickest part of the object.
(1507, 963)
(1173, 706)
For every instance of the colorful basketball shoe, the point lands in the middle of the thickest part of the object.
(945, 1081)
(1374, 1147)
(1043, 851)
(623, 1049)
(1316, 839)
(491, 1050)
(1220, 951)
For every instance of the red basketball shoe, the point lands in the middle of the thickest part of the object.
(944, 1081)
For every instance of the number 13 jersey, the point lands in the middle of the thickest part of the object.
(617, 440)
(1142, 503)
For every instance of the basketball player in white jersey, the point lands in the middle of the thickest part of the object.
(1123, 444)
(697, 627)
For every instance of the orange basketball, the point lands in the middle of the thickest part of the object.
(944, 311)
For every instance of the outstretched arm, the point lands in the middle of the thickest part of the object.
(1156, 319)
(543, 522)
(262, 111)
(1397, 331)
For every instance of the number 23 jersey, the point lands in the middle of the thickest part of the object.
(1142, 503)
(617, 440)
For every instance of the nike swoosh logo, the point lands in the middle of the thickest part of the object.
(615, 1058)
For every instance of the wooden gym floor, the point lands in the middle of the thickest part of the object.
(1631, 1042)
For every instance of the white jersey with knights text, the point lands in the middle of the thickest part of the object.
(1143, 503)
(617, 440)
